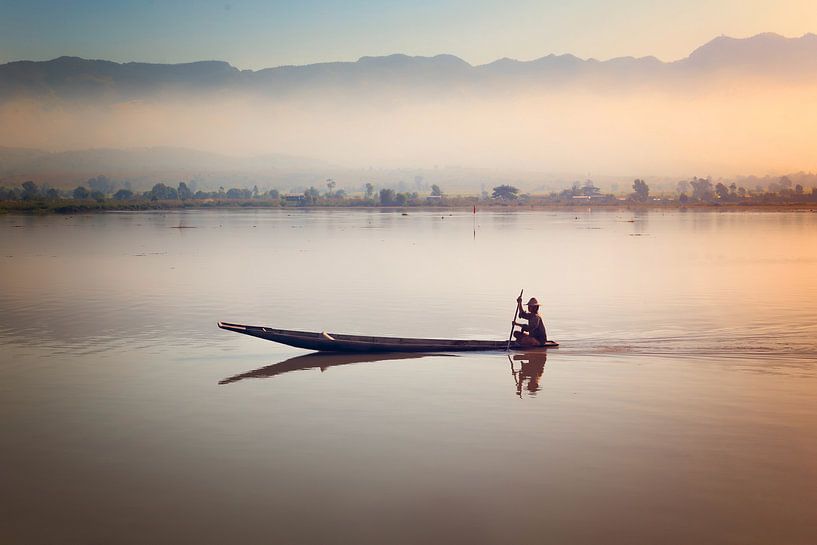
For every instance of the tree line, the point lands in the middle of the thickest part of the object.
(102, 190)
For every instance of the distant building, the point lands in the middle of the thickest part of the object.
(297, 199)
(591, 198)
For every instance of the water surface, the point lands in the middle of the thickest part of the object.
(680, 408)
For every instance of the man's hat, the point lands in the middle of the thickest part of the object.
(533, 302)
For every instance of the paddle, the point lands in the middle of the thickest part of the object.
(513, 324)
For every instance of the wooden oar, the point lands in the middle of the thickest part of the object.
(515, 314)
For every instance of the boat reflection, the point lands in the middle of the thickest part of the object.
(322, 361)
(527, 377)
(530, 372)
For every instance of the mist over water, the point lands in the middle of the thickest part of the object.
(682, 390)
(724, 128)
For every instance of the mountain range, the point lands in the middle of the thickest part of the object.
(764, 56)
(733, 106)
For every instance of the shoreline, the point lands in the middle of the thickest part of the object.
(71, 207)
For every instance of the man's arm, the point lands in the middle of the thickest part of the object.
(525, 327)
(521, 312)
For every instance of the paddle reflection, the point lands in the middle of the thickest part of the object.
(322, 361)
(529, 374)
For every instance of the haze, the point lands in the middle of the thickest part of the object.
(732, 107)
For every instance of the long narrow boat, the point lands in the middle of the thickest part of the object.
(332, 342)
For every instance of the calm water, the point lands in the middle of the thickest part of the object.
(681, 407)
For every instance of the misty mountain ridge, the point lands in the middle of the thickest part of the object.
(764, 55)
(732, 106)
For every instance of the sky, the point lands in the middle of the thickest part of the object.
(255, 34)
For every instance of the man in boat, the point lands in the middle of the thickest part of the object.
(533, 333)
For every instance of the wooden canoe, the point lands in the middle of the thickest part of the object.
(332, 342)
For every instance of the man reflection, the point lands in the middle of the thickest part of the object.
(530, 372)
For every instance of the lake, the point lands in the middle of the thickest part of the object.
(680, 408)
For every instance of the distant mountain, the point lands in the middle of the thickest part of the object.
(764, 54)
(70, 78)
(73, 77)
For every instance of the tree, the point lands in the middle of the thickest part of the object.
(386, 197)
(101, 184)
(340, 194)
(330, 184)
(722, 191)
(311, 195)
(184, 192)
(369, 190)
(701, 189)
(798, 189)
(641, 191)
(273, 194)
(52, 194)
(98, 196)
(30, 190)
(6, 194)
(784, 182)
(123, 195)
(505, 192)
(255, 192)
(161, 192)
(81, 193)
(682, 187)
(436, 191)
(237, 193)
(401, 199)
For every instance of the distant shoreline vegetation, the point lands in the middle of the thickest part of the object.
(100, 196)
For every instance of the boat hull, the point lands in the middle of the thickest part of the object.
(332, 342)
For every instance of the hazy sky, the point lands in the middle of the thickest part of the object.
(257, 33)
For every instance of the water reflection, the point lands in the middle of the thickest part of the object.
(683, 390)
(527, 376)
(321, 361)
(530, 372)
